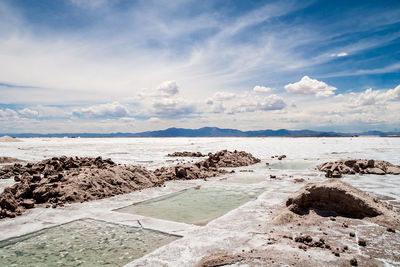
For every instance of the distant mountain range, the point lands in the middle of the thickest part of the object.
(211, 132)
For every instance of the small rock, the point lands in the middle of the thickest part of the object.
(353, 262)
(362, 242)
(281, 157)
(28, 203)
(389, 229)
(352, 234)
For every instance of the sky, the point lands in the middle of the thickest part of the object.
(72, 66)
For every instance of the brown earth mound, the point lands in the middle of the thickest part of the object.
(219, 259)
(353, 166)
(61, 180)
(9, 139)
(336, 198)
(227, 158)
(81, 183)
(52, 166)
(4, 160)
(186, 154)
(187, 171)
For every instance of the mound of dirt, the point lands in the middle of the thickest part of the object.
(52, 166)
(187, 171)
(9, 139)
(186, 154)
(227, 158)
(219, 259)
(336, 198)
(4, 160)
(353, 166)
(100, 179)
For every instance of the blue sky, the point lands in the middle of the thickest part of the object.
(129, 66)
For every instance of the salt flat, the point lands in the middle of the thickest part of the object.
(236, 230)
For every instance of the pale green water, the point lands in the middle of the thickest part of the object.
(194, 206)
(292, 165)
(82, 243)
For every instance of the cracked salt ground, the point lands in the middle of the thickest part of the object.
(244, 228)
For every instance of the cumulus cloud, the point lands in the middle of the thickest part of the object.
(114, 109)
(223, 96)
(373, 97)
(368, 98)
(308, 86)
(27, 112)
(168, 88)
(8, 113)
(271, 102)
(394, 93)
(172, 107)
(262, 89)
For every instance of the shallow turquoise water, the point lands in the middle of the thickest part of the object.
(292, 165)
(194, 206)
(82, 243)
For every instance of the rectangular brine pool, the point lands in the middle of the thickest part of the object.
(195, 205)
(82, 243)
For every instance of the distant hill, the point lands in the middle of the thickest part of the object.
(210, 132)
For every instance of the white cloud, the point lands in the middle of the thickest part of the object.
(168, 88)
(375, 97)
(342, 54)
(114, 109)
(8, 113)
(27, 112)
(262, 89)
(223, 96)
(308, 86)
(154, 119)
(271, 102)
(172, 107)
(394, 93)
(367, 98)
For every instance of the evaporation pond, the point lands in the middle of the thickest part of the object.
(82, 243)
(292, 165)
(194, 206)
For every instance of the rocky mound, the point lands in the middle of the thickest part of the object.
(187, 171)
(333, 197)
(227, 158)
(209, 167)
(4, 160)
(186, 154)
(100, 179)
(52, 166)
(9, 139)
(353, 166)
